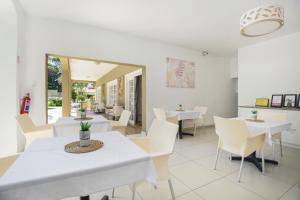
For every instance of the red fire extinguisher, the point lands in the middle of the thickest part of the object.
(25, 104)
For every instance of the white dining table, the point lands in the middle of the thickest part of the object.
(181, 116)
(45, 171)
(268, 127)
(70, 126)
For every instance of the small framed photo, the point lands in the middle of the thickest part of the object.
(290, 100)
(277, 100)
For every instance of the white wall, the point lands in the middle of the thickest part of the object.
(8, 71)
(267, 68)
(214, 87)
(270, 67)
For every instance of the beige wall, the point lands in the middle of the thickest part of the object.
(116, 73)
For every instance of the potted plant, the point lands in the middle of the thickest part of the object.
(82, 112)
(84, 134)
(254, 114)
(180, 107)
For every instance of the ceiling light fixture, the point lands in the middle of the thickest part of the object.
(262, 20)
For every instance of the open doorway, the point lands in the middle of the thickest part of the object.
(100, 87)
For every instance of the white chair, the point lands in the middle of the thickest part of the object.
(160, 114)
(117, 111)
(200, 120)
(31, 132)
(6, 162)
(159, 144)
(278, 117)
(234, 137)
(122, 123)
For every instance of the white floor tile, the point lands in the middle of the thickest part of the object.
(193, 175)
(225, 189)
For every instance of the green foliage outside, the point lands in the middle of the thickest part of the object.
(54, 74)
(55, 102)
(79, 92)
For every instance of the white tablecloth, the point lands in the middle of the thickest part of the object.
(269, 127)
(68, 126)
(46, 172)
(184, 115)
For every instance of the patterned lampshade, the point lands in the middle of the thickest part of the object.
(261, 20)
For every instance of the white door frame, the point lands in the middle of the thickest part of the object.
(129, 77)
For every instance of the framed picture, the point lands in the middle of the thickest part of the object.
(277, 100)
(290, 100)
(298, 104)
(262, 102)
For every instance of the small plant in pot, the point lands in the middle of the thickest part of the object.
(82, 113)
(254, 114)
(180, 108)
(85, 134)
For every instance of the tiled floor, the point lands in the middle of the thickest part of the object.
(193, 178)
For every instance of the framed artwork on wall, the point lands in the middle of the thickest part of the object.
(180, 73)
(277, 100)
(290, 100)
(262, 102)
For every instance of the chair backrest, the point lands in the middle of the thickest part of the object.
(201, 109)
(25, 123)
(117, 110)
(163, 135)
(125, 116)
(160, 114)
(272, 116)
(232, 132)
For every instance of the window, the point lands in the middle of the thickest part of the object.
(111, 93)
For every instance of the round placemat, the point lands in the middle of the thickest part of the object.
(257, 120)
(74, 147)
(83, 119)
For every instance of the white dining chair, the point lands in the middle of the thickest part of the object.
(200, 120)
(234, 137)
(29, 131)
(277, 137)
(6, 162)
(160, 114)
(122, 123)
(159, 144)
(117, 111)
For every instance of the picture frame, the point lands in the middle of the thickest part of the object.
(298, 104)
(262, 102)
(277, 100)
(290, 100)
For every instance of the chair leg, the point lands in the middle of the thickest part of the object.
(216, 160)
(281, 151)
(241, 167)
(133, 191)
(113, 193)
(263, 161)
(171, 189)
(273, 151)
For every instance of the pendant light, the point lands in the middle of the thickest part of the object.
(262, 20)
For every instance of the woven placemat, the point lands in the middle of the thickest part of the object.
(74, 147)
(83, 119)
(257, 120)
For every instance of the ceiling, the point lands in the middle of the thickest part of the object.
(211, 25)
(89, 70)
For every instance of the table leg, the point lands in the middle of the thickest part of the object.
(180, 131)
(255, 160)
(105, 197)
